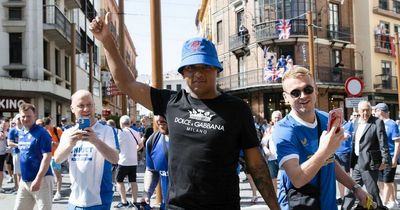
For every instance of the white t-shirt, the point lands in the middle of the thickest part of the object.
(90, 173)
(128, 147)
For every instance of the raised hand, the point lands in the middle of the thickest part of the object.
(100, 28)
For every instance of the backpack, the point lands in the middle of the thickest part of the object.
(152, 139)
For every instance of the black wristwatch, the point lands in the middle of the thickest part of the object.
(355, 187)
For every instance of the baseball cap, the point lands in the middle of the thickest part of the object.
(383, 107)
(63, 119)
(199, 51)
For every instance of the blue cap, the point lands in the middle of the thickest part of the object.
(383, 107)
(199, 51)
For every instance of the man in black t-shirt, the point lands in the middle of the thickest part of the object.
(207, 128)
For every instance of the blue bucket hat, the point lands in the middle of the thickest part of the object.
(199, 51)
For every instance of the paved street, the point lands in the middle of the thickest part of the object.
(7, 200)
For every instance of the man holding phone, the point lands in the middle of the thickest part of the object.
(90, 149)
(305, 150)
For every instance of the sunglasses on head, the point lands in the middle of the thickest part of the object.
(307, 90)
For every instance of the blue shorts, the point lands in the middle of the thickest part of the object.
(344, 161)
(55, 166)
(106, 206)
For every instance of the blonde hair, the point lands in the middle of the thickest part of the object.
(27, 106)
(296, 72)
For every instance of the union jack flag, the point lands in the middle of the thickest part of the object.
(283, 28)
(271, 75)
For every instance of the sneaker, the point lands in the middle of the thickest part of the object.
(120, 205)
(10, 180)
(391, 205)
(57, 196)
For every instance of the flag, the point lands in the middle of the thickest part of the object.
(265, 51)
(283, 28)
(392, 46)
(270, 74)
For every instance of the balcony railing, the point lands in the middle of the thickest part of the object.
(53, 16)
(384, 44)
(338, 32)
(384, 81)
(260, 77)
(238, 41)
(336, 74)
(267, 31)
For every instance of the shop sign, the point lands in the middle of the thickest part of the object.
(11, 104)
(353, 102)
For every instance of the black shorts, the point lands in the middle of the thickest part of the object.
(2, 158)
(387, 175)
(9, 159)
(123, 171)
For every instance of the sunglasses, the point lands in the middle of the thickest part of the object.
(198, 66)
(306, 90)
(356, 115)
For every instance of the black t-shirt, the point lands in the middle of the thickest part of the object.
(205, 139)
(147, 132)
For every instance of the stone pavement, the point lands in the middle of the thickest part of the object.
(7, 199)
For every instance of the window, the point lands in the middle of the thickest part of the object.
(396, 6)
(169, 87)
(15, 13)
(47, 108)
(15, 41)
(386, 74)
(239, 19)
(67, 68)
(337, 57)
(57, 60)
(383, 4)
(45, 55)
(219, 32)
(333, 17)
(178, 87)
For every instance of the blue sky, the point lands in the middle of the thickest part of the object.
(178, 25)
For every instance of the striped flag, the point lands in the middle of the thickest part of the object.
(283, 28)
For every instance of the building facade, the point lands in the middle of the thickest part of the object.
(375, 25)
(245, 56)
(112, 97)
(37, 65)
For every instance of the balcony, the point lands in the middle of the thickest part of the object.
(71, 4)
(385, 83)
(14, 3)
(259, 78)
(267, 31)
(389, 9)
(57, 28)
(384, 44)
(243, 80)
(238, 44)
(338, 33)
(337, 75)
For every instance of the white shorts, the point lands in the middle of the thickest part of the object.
(17, 167)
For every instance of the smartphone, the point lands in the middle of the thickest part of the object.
(333, 115)
(83, 123)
